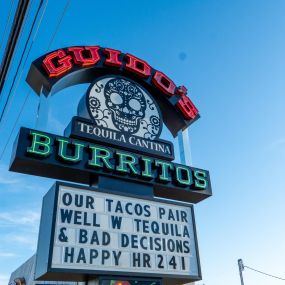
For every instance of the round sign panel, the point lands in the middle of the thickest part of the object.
(118, 103)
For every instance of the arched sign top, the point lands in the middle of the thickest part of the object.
(82, 64)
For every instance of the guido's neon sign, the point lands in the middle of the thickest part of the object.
(73, 65)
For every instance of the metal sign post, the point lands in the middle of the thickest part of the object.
(184, 147)
(42, 112)
(241, 268)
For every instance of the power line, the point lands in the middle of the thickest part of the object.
(16, 44)
(51, 41)
(29, 92)
(7, 22)
(12, 95)
(15, 124)
(270, 275)
(16, 29)
(19, 37)
(58, 24)
(20, 61)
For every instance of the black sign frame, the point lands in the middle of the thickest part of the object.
(53, 167)
(40, 82)
(43, 269)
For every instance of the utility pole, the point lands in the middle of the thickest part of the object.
(241, 269)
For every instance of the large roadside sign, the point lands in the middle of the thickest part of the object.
(133, 220)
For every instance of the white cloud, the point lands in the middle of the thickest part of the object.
(280, 143)
(7, 254)
(4, 279)
(18, 182)
(30, 218)
(23, 231)
(29, 240)
(6, 177)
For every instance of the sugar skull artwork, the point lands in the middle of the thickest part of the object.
(121, 104)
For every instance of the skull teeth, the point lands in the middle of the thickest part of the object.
(125, 121)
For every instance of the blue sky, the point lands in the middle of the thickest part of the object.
(231, 57)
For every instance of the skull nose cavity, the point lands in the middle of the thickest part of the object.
(126, 110)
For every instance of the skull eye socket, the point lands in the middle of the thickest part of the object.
(116, 98)
(135, 104)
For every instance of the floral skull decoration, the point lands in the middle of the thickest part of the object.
(126, 103)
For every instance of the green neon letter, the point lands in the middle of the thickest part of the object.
(147, 171)
(201, 181)
(165, 167)
(127, 162)
(41, 144)
(183, 175)
(100, 157)
(62, 150)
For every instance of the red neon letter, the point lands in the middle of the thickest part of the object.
(162, 82)
(138, 66)
(187, 108)
(57, 63)
(112, 57)
(81, 59)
